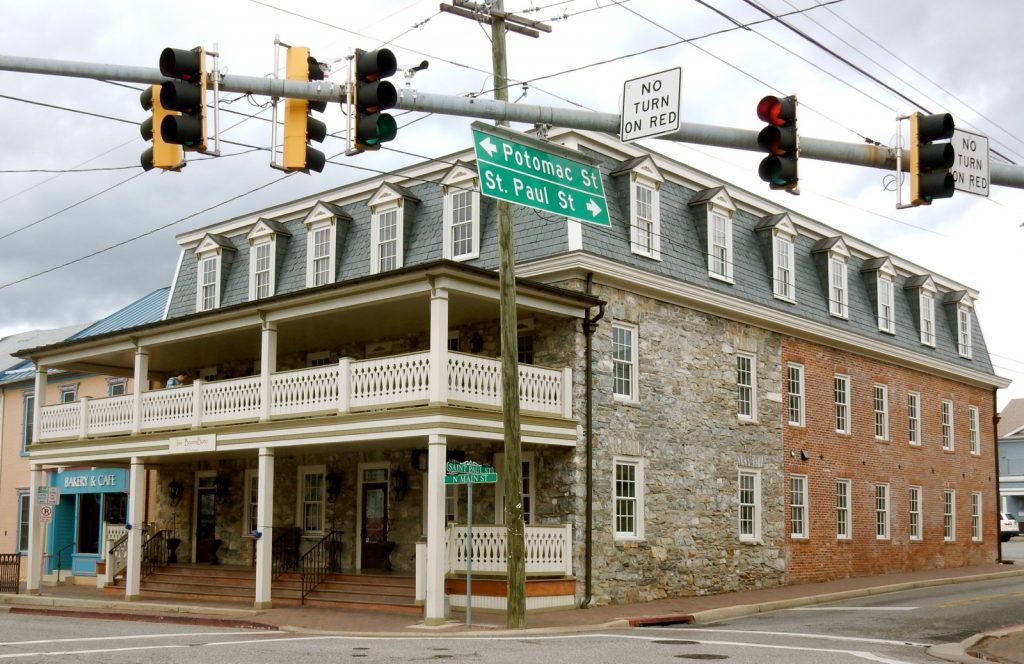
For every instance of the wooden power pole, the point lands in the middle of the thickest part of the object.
(513, 470)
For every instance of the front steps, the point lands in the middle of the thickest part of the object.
(371, 591)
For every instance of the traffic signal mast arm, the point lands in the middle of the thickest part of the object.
(856, 154)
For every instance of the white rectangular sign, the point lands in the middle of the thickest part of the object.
(650, 105)
(970, 170)
(200, 443)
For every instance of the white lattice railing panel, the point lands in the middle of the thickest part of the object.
(111, 415)
(231, 400)
(474, 380)
(170, 407)
(540, 390)
(60, 421)
(387, 381)
(303, 391)
(548, 549)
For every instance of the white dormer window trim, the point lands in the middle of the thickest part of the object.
(926, 304)
(839, 281)
(209, 262)
(720, 261)
(783, 265)
(461, 215)
(886, 290)
(963, 336)
(320, 252)
(387, 243)
(261, 268)
(645, 217)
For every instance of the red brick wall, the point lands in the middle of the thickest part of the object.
(865, 461)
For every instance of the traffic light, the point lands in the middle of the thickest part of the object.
(161, 154)
(186, 93)
(930, 162)
(370, 96)
(779, 139)
(299, 126)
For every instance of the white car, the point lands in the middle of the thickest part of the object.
(1008, 527)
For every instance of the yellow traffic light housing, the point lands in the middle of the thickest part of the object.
(299, 126)
(161, 154)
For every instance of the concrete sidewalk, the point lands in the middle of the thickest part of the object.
(1007, 644)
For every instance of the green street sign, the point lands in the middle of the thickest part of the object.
(469, 472)
(521, 169)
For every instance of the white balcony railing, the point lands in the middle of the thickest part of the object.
(548, 549)
(393, 382)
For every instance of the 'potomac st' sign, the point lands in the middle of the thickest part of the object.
(521, 169)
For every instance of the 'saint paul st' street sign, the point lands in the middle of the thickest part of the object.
(521, 169)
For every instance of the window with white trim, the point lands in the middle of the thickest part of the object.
(462, 220)
(312, 499)
(719, 245)
(645, 220)
(843, 521)
(975, 516)
(387, 240)
(784, 281)
(252, 492)
(798, 506)
(117, 387)
(881, 412)
(528, 484)
(949, 515)
(973, 422)
(24, 514)
(886, 304)
(750, 505)
(842, 399)
(69, 393)
(795, 394)
(261, 260)
(914, 510)
(947, 425)
(320, 254)
(963, 317)
(629, 489)
(926, 303)
(28, 413)
(881, 511)
(746, 386)
(914, 418)
(624, 361)
(208, 296)
(838, 292)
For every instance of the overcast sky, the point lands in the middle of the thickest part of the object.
(942, 55)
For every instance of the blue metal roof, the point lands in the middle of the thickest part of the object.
(148, 309)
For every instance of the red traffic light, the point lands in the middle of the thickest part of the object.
(778, 111)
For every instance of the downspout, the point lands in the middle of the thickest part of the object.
(995, 457)
(589, 325)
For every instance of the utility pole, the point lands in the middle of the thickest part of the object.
(515, 546)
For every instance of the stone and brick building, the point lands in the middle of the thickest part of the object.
(748, 397)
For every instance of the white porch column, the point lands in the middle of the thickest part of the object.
(136, 518)
(38, 403)
(438, 345)
(268, 365)
(265, 524)
(436, 466)
(141, 384)
(36, 531)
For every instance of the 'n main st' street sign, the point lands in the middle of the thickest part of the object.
(521, 169)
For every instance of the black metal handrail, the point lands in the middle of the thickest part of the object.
(60, 557)
(10, 573)
(154, 552)
(286, 552)
(320, 561)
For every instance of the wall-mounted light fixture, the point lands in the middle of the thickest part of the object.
(221, 487)
(400, 483)
(333, 486)
(175, 491)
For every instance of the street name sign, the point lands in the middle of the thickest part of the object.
(650, 105)
(524, 170)
(970, 170)
(469, 472)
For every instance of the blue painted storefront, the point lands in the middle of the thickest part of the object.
(88, 497)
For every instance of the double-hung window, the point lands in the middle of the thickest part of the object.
(209, 291)
(624, 362)
(886, 304)
(881, 412)
(838, 293)
(973, 422)
(949, 515)
(461, 214)
(795, 394)
(750, 505)
(312, 499)
(720, 245)
(387, 245)
(784, 281)
(746, 387)
(320, 246)
(914, 418)
(843, 522)
(963, 317)
(798, 506)
(881, 511)
(975, 516)
(24, 514)
(628, 481)
(842, 399)
(947, 425)
(251, 492)
(926, 303)
(28, 420)
(262, 278)
(914, 509)
(646, 233)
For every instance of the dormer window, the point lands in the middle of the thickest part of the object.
(783, 252)
(210, 267)
(715, 230)
(882, 272)
(263, 242)
(926, 304)
(325, 228)
(388, 206)
(644, 205)
(963, 315)
(461, 213)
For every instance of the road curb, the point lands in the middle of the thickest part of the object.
(135, 616)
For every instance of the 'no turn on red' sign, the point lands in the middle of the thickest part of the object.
(650, 105)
